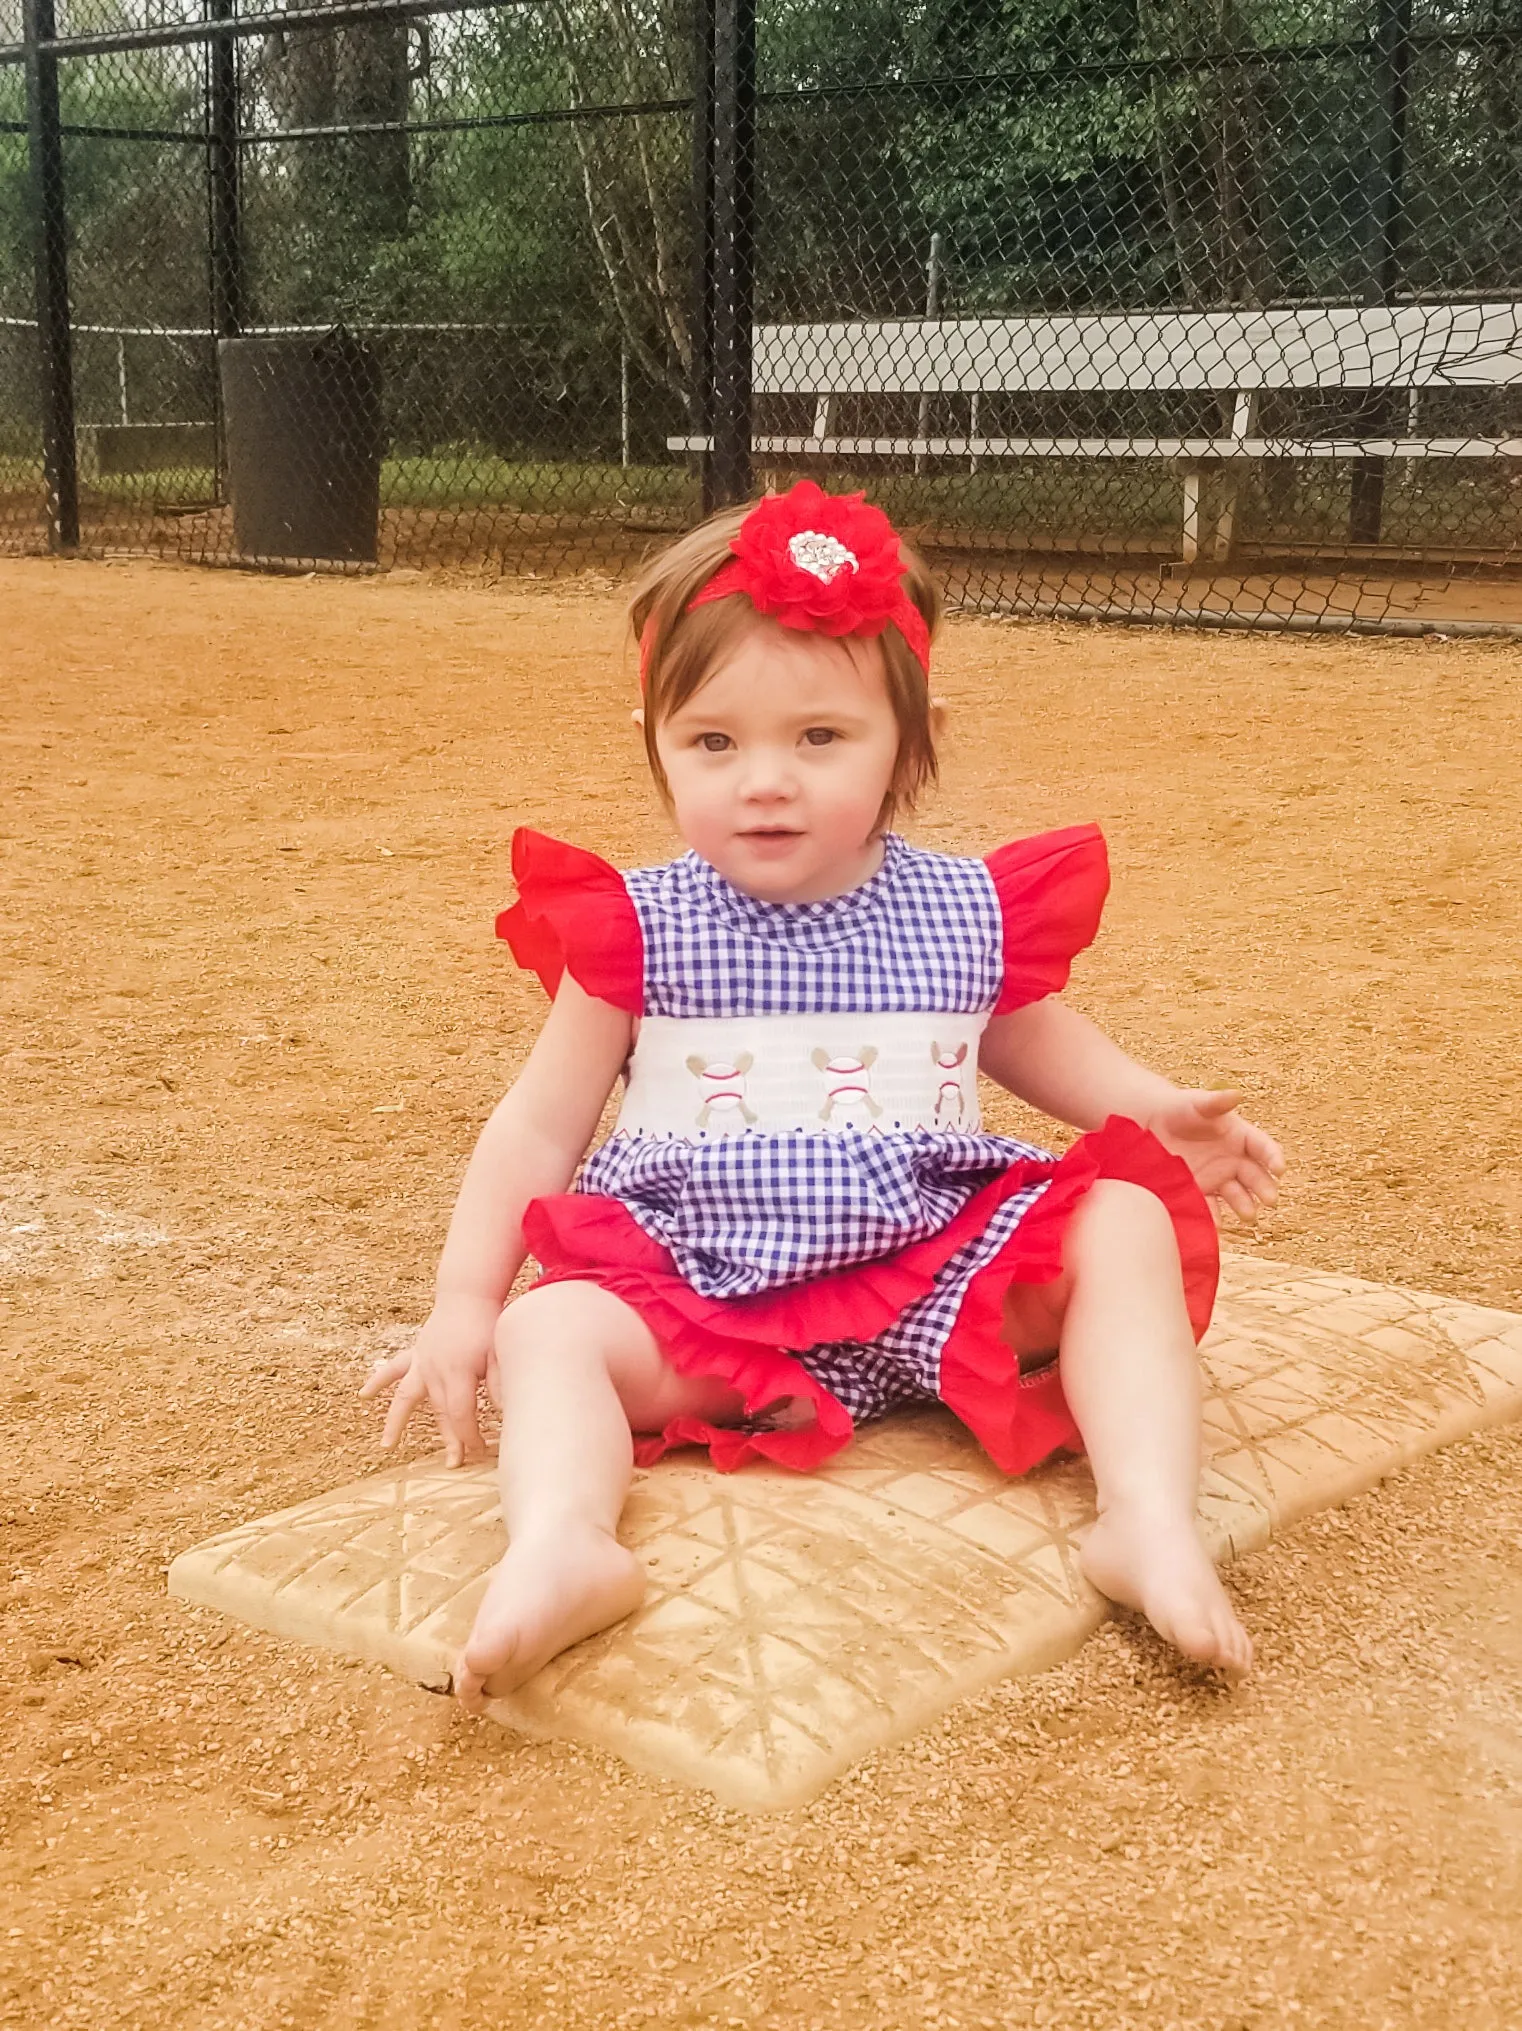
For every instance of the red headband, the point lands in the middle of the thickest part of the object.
(826, 562)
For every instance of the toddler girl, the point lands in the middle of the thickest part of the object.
(798, 1222)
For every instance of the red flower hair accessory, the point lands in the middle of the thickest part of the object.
(825, 562)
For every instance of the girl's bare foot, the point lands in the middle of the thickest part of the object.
(546, 1594)
(1159, 1566)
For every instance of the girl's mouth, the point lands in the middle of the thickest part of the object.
(774, 837)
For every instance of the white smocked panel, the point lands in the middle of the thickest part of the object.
(759, 1075)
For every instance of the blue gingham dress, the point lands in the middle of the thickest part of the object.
(754, 1212)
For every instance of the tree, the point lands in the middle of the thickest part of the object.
(339, 77)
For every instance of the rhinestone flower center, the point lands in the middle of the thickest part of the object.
(821, 556)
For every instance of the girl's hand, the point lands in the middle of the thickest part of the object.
(446, 1364)
(1231, 1160)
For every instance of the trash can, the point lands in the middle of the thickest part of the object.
(302, 426)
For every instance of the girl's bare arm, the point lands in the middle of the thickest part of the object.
(1059, 1061)
(531, 1144)
(1062, 1063)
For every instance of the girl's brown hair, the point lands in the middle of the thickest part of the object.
(681, 649)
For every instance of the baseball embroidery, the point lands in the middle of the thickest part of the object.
(949, 1103)
(722, 1085)
(848, 1090)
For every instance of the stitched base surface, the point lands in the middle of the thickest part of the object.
(795, 1623)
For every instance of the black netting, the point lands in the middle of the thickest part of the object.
(21, 481)
(1205, 309)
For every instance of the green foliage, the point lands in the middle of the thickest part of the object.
(1070, 153)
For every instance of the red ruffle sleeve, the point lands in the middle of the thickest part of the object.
(1052, 891)
(573, 914)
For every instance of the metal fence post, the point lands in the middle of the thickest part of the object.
(734, 211)
(933, 271)
(228, 307)
(1387, 209)
(700, 420)
(60, 459)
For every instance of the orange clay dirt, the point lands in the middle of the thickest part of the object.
(255, 833)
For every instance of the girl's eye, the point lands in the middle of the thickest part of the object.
(820, 736)
(714, 743)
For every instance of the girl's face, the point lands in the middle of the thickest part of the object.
(779, 763)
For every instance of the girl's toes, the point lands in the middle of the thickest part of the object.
(1216, 1640)
(490, 1648)
(469, 1687)
(1208, 1645)
(1233, 1646)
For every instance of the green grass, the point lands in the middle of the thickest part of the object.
(461, 477)
(1431, 504)
(450, 478)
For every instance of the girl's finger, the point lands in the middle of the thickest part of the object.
(1238, 1198)
(403, 1404)
(445, 1419)
(1265, 1151)
(1259, 1182)
(457, 1421)
(385, 1371)
(1210, 1103)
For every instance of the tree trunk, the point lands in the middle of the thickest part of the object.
(636, 214)
(352, 76)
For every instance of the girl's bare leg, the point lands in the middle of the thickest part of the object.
(578, 1372)
(1131, 1377)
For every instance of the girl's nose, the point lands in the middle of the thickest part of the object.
(768, 776)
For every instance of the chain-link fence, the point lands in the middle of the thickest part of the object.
(1196, 309)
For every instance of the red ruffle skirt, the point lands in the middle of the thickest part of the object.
(1019, 1420)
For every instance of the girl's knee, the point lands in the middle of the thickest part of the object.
(542, 1318)
(1114, 1212)
(575, 1327)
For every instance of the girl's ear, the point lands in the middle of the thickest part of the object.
(638, 715)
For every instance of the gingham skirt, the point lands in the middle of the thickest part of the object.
(813, 1360)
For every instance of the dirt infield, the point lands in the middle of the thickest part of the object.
(255, 834)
